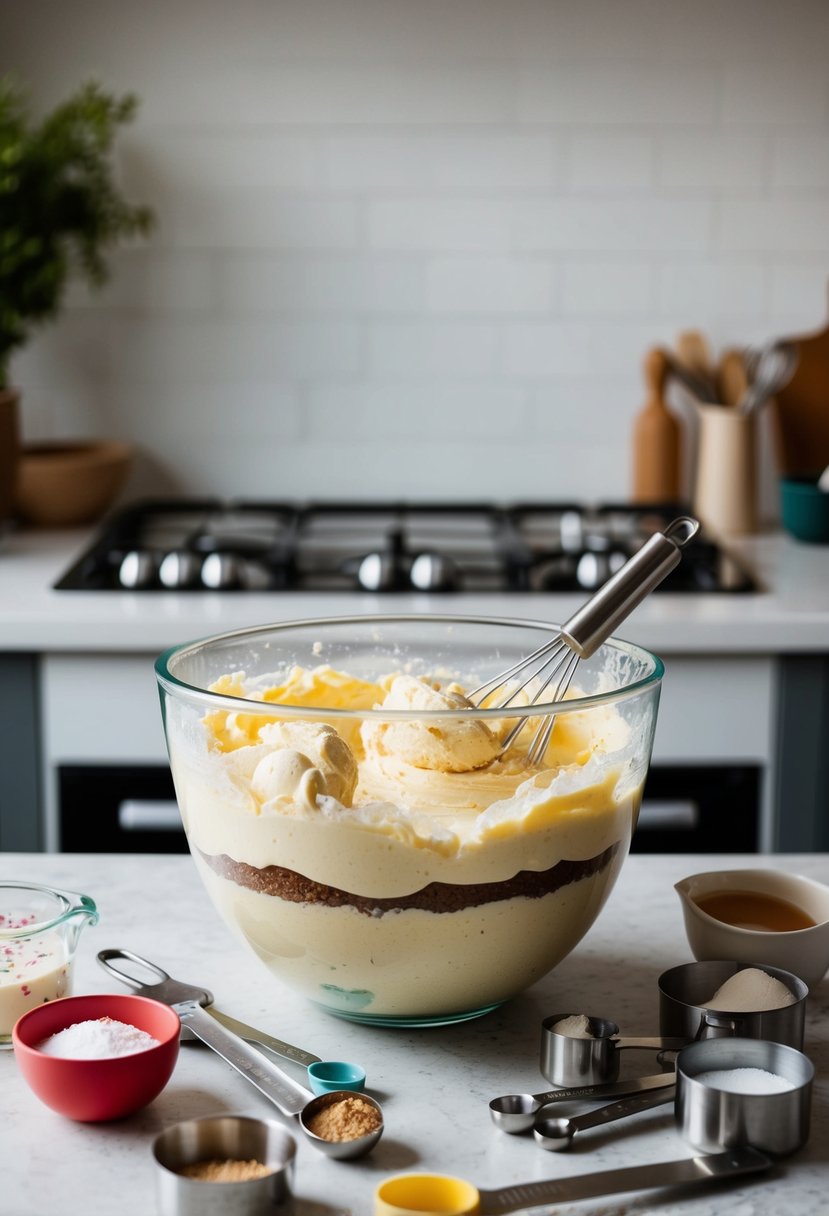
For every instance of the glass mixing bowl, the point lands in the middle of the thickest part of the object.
(385, 857)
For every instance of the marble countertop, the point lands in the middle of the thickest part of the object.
(434, 1084)
(790, 612)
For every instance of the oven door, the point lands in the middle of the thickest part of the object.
(132, 809)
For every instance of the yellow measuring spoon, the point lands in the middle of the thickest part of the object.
(442, 1195)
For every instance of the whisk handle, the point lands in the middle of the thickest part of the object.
(616, 599)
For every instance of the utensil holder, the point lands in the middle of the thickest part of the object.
(725, 487)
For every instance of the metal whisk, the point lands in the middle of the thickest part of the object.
(555, 662)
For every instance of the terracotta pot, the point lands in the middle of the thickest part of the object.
(70, 483)
(9, 449)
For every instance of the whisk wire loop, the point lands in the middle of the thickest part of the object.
(583, 633)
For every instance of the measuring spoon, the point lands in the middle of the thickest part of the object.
(439, 1195)
(568, 1060)
(287, 1095)
(515, 1113)
(556, 1133)
(324, 1076)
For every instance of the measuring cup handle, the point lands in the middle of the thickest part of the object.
(713, 1027)
(277, 1086)
(107, 958)
(655, 1044)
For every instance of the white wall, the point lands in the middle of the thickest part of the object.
(419, 247)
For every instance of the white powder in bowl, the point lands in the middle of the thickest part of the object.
(98, 1039)
(577, 1026)
(751, 991)
(745, 1081)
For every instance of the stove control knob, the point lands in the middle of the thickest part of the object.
(180, 568)
(138, 570)
(592, 570)
(221, 572)
(378, 572)
(433, 572)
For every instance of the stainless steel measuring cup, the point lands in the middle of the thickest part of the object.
(324, 1076)
(567, 1060)
(711, 1117)
(685, 990)
(439, 1195)
(515, 1113)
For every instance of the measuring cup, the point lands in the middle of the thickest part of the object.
(684, 990)
(515, 1113)
(711, 1117)
(567, 1060)
(324, 1076)
(439, 1195)
(39, 931)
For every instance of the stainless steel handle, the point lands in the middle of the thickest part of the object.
(714, 1168)
(285, 1093)
(616, 599)
(620, 1110)
(252, 1035)
(608, 1089)
(653, 1044)
(149, 815)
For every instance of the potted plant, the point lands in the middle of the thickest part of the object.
(60, 212)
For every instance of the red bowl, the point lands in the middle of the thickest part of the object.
(94, 1090)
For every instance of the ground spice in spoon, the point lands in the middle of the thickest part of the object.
(346, 1119)
(225, 1171)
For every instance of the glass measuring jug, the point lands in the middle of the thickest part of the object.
(39, 931)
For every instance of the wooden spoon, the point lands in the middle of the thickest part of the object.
(733, 377)
(695, 354)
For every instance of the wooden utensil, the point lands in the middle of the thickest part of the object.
(694, 352)
(732, 377)
(803, 409)
(656, 437)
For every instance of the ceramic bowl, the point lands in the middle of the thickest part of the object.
(804, 509)
(804, 952)
(93, 1091)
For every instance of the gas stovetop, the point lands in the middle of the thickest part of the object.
(239, 545)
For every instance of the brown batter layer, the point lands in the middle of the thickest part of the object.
(436, 897)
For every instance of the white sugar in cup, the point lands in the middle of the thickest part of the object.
(738, 1093)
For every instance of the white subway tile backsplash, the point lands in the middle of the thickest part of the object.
(233, 350)
(478, 411)
(236, 218)
(714, 163)
(491, 286)
(774, 92)
(452, 224)
(776, 225)
(614, 163)
(149, 280)
(800, 163)
(399, 239)
(599, 288)
(801, 291)
(467, 162)
(614, 93)
(540, 350)
(708, 290)
(317, 284)
(646, 226)
(450, 350)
